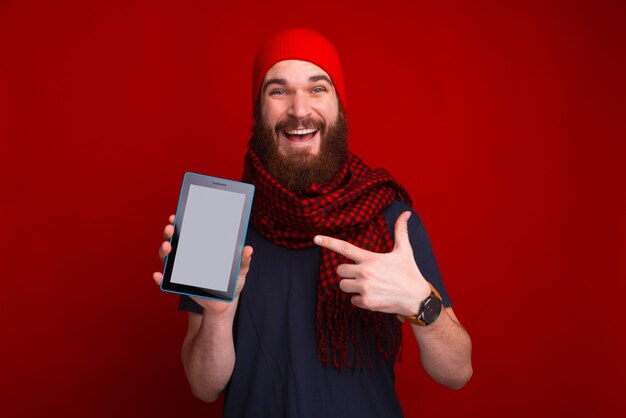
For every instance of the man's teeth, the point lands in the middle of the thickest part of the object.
(300, 131)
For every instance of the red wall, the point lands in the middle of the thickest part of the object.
(504, 119)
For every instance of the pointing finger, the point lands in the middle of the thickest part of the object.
(341, 247)
(402, 232)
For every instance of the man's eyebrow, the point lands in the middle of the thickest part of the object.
(315, 78)
(280, 81)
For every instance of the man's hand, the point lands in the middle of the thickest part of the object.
(210, 306)
(390, 283)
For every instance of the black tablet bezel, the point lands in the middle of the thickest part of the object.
(215, 183)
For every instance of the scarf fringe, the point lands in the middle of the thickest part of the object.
(344, 334)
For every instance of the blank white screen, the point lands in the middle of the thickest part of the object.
(208, 237)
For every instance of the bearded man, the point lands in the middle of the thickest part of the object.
(340, 261)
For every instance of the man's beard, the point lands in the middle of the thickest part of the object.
(299, 168)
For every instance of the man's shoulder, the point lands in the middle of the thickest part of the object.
(395, 209)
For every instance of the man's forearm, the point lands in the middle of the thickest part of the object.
(445, 350)
(209, 356)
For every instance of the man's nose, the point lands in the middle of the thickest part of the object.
(300, 106)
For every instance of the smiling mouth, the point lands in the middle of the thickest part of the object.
(299, 135)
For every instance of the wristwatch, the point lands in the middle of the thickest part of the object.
(429, 310)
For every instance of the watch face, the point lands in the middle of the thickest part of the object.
(432, 309)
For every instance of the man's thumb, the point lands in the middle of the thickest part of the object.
(246, 259)
(402, 232)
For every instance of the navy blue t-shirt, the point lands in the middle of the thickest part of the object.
(277, 369)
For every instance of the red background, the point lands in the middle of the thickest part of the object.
(504, 119)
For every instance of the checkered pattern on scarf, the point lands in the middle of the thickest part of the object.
(348, 207)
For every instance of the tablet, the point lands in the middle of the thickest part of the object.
(209, 235)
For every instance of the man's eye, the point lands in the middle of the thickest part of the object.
(278, 92)
(319, 90)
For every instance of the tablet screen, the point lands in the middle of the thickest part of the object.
(207, 239)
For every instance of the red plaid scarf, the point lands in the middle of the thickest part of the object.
(348, 207)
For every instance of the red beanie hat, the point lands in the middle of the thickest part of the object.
(297, 44)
